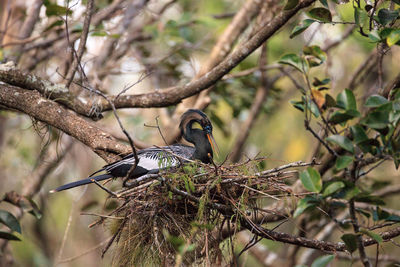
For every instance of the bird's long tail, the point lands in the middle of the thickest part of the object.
(100, 177)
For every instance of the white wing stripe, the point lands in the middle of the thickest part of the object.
(154, 159)
(153, 162)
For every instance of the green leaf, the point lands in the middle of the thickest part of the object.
(358, 133)
(298, 104)
(360, 17)
(28, 205)
(342, 141)
(342, 162)
(350, 241)
(384, 33)
(374, 36)
(301, 27)
(371, 234)
(318, 56)
(318, 82)
(291, 4)
(376, 120)
(332, 188)
(386, 16)
(379, 214)
(294, 61)
(54, 24)
(329, 101)
(8, 236)
(351, 193)
(375, 101)
(10, 221)
(367, 145)
(369, 199)
(393, 218)
(396, 1)
(322, 261)
(303, 204)
(346, 100)
(321, 14)
(56, 10)
(393, 37)
(339, 117)
(311, 180)
(314, 108)
(99, 33)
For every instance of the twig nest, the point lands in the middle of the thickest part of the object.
(180, 215)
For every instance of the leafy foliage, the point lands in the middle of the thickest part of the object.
(9, 220)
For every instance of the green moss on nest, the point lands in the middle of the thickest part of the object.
(177, 216)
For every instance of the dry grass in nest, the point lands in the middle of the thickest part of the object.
(177, 216)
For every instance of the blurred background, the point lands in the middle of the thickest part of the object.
(163, 44)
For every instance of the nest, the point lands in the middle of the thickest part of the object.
(180, 216)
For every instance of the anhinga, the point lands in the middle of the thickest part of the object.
(153, 159)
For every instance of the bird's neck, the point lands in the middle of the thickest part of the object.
(201, 144)
(203, 153)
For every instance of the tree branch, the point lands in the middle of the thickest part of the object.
(56, 92)
(82, 43)
(174, 95)
(49, 112)
(311, 243)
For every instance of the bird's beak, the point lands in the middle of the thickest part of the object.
(214, 145)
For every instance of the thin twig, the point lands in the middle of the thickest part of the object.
(66, 231)
(290, 165)
(82, 44)
(104, 188)
(354, 220)
(102, 215)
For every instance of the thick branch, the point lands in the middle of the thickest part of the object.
(174, 95)
(51, 113)
(220, 50)
(312, 243)
(56, 92)
(161, 98)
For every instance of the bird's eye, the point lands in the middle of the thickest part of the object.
(196, 125)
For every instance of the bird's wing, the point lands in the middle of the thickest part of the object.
(158, 158)
(152, 158)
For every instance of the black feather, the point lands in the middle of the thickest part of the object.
(100, 177)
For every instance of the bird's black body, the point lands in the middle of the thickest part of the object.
(153, 159)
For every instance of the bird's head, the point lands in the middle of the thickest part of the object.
(195, 121)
